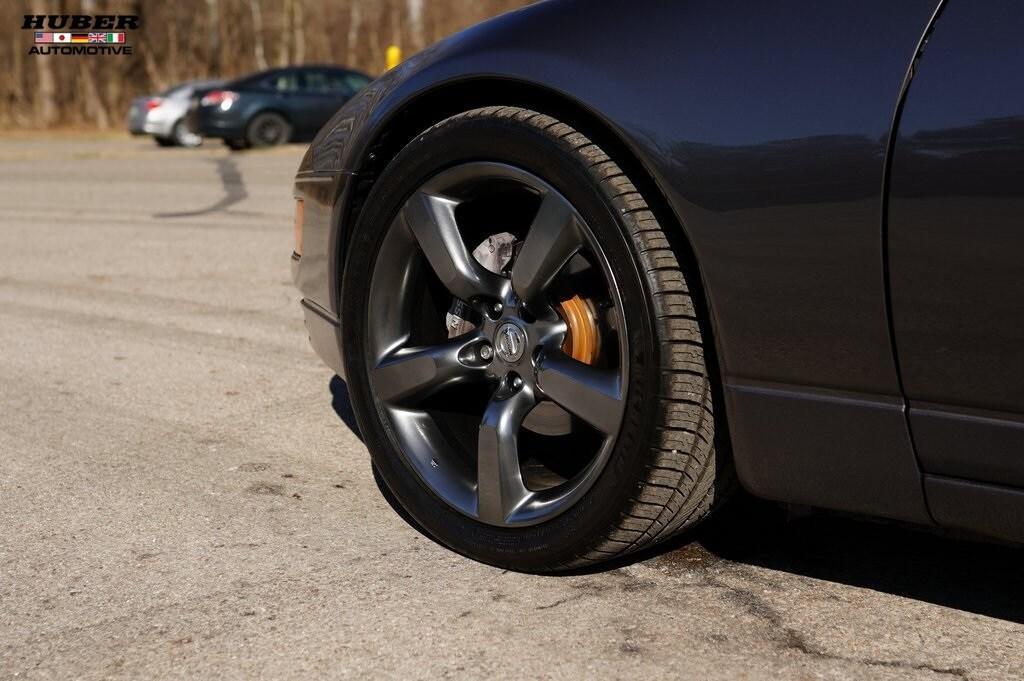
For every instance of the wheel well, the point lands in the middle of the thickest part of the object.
(454, 98)
(448, 100)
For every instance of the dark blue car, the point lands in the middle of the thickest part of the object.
(276, 106)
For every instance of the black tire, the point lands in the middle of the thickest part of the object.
(183, 137)
(164, 141)
(268, 129)
(664, 474)
(236, 144)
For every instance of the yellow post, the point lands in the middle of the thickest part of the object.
(393, 56)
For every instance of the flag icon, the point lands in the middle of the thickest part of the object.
(106, 37)
(43, 37)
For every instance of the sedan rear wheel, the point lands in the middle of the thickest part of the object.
(184, 136)
(523, 354)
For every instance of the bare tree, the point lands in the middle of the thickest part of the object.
(213, 24)
(94, 106)
(354, 27)
(285, 34)
(46, 92)
(414, 13)
(188, 39)
(299, 32)
(12, 89)
(257, 34)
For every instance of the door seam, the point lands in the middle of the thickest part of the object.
(887, 279)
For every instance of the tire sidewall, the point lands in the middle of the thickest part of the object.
(255, 140)
(567, 536)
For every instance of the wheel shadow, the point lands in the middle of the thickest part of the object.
(921, 564)
(342, 405)
(918, 563)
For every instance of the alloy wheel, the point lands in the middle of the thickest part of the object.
(547, 343)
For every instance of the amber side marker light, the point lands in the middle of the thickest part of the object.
(299, 214)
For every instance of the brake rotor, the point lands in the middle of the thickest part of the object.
(583, 340)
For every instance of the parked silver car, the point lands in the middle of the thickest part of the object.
(163, 115)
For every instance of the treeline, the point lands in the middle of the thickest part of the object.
(183, 39)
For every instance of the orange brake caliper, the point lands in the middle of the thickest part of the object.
(583, 341)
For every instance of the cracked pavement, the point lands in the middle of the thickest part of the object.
(181, 495)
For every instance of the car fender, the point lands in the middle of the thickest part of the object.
(764, 128)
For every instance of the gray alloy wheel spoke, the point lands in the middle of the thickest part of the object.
(591, 393)
(423, 243)
(500, 487)
(553, 238)
(431, 219)
(412, 374)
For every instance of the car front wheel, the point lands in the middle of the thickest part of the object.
(267, 129)
(524, 358)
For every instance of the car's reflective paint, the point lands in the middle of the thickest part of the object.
(764, 129)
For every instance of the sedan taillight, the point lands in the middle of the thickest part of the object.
(223, 98)
(153, 102)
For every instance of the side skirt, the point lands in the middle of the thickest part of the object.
(825, 448)
(987, 509)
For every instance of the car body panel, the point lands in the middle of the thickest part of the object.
(765, 128)
(956, 209)
(788, 241)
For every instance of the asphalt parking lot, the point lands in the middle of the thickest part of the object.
(181, 494)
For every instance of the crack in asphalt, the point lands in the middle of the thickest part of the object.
(561, 601)
(789, 638)
(583, 589)
(784, 636)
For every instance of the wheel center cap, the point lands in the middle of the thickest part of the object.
(510, 342)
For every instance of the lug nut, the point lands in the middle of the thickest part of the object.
(486, 351)
(496, 309)
(517, 383)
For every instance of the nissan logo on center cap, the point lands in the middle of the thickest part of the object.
(510, 342)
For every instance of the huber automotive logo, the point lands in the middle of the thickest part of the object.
(80, 33)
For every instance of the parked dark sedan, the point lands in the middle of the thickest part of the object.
(276, 106)
(574, 306)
